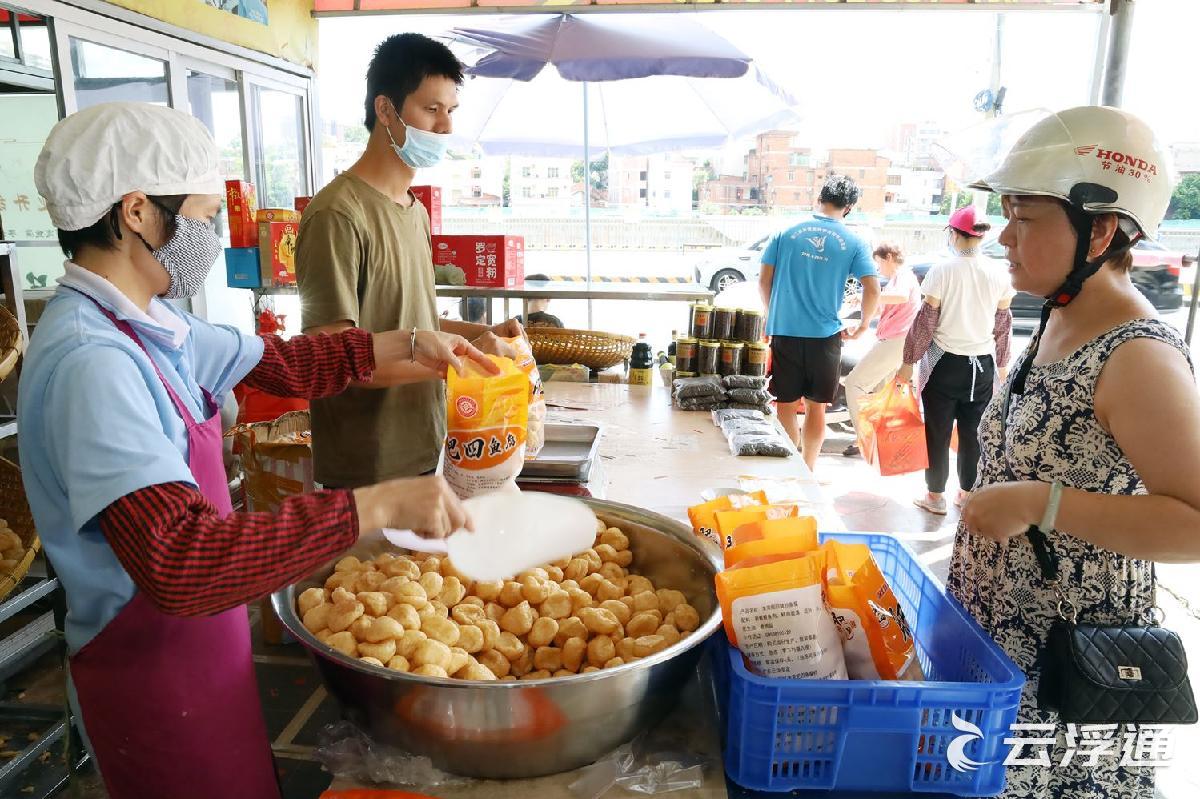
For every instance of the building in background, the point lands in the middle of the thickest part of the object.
(468, 182)
(728, 194)
(659, 184)
(913, 192)
(911, 144)
(543, 183)
(1186, 156)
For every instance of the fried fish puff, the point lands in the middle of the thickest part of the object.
(614, 538)
(317, 618)
(432, 653)
(644, 623)
(518, 620)
(669, 599)
(342, 615)
(383, 651)
(574, 650)
(310, 599)
(542, 633)
(384, 628)
(496, 663)
(453, 591)
(375, 602)
(687, 618)
(572, 627)
(407, 615)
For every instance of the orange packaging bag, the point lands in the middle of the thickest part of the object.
(703, 516)
(876, 638)
(891, 431)
(777, 528)
(730, 520)
(776, 615)
(486, 419)
(779, 548)
(535, 437)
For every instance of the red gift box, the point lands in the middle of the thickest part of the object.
(278, 229)
(241, 202)
(489, 261)
(431, 198)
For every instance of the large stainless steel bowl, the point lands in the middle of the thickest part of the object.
(506, 730)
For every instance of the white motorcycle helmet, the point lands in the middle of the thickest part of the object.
(1102, 160)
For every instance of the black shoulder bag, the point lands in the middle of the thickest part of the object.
(1091, 674)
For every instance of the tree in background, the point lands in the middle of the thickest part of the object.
(952, 202)
(701, 176)
(599, 175)
(1185, 203)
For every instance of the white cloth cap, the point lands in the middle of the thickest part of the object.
(95, 157)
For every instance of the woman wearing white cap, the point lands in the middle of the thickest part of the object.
(1095, 439)
(121, 454)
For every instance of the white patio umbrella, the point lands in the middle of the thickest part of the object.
(630, 85)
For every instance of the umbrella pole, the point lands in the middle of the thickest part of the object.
(587, 199)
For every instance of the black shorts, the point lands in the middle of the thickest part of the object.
(806, 368)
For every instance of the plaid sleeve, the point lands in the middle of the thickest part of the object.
(190, 562)
(313, 366)
(920, 335)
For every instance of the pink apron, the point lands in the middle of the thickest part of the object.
(171, 703)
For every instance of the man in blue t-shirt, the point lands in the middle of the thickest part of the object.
(803, 282)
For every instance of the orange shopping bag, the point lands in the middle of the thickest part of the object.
(891, 431)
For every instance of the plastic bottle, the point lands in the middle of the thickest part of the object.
(641, 364)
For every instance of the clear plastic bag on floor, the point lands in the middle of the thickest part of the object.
(348, 752)
(636, 768)
(700, 403)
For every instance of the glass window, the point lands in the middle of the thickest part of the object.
(217, 103)
(279, 146)
(105, 74)
(28, 119)
(35, 41)
(8, 38)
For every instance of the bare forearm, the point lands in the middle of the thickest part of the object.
(1144, 526)
(467, 330)
(870, 302)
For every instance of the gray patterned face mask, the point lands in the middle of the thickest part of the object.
(188, 256)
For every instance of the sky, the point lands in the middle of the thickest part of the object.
(858, 73)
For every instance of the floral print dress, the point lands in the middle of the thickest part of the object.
(1053, 434)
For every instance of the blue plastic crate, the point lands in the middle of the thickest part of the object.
(875, 735)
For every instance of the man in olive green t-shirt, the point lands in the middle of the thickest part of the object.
(363, 259)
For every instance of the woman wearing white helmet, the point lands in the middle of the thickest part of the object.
(1096, 436)
(121, 455)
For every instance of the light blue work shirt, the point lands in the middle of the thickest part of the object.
(812, 262)
(96, 424)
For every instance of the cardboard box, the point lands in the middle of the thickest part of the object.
(241, 203)
(301, 203)
(431, 198)
(242, 270)
(489, 261)
(278, 229)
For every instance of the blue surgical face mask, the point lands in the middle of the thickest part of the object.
(422, 148)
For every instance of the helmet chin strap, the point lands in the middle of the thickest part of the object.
(1081, 270)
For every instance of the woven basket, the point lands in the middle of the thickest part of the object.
(15, 510)
(591, 348)
(10, 342)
